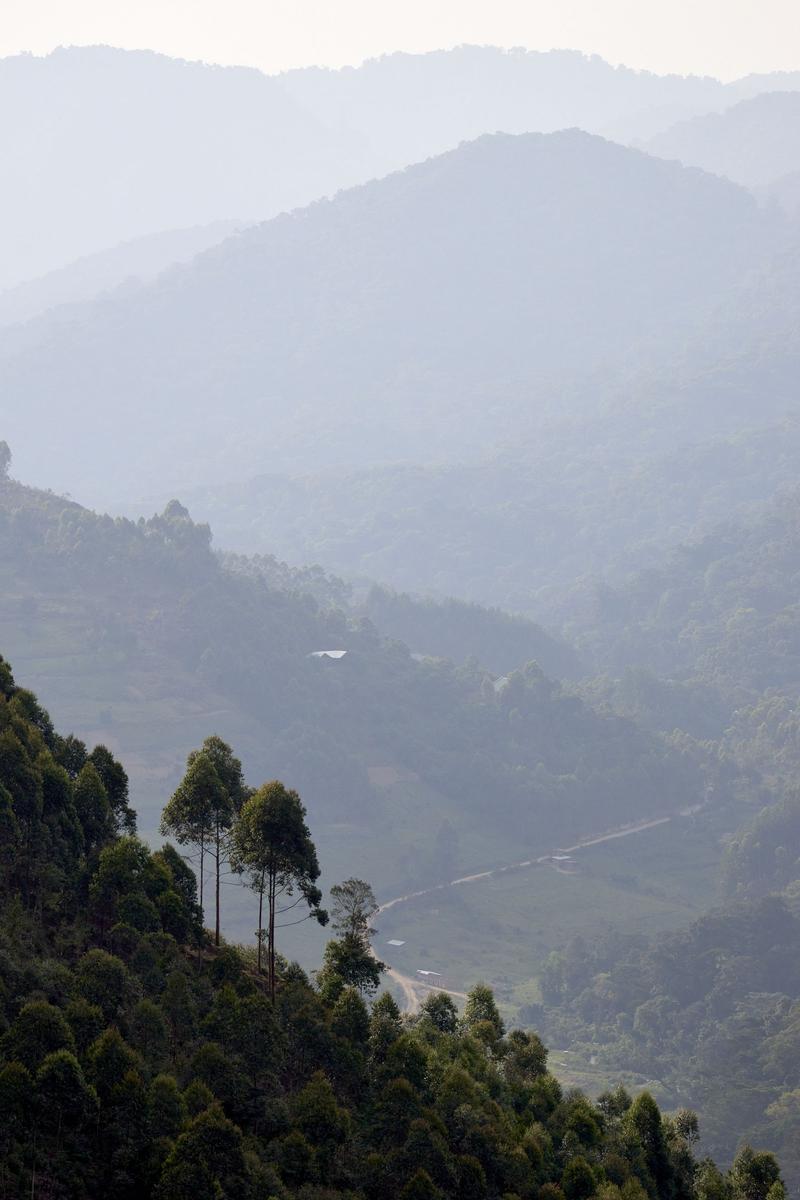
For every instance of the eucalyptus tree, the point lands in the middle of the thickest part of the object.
(349, 960)
(204, 807)
(193, 810)
(272, 844)
(224, 812)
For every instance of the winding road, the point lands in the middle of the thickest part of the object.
(414, 990)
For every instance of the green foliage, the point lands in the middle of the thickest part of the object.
(199, 808)
(441, 1011)
(171, 1070)
(349, 962)
(481, 1010)
(578, 1179)
(103, 980)
(459, 631)
(546, 758)
(271, 841)
(765, 857)
(40, 1029)
(712, 1011)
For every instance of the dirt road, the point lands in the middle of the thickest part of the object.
(414, 990)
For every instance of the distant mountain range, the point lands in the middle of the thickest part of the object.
(755, 143)
(420, 317)
(109, 145)
(414, 105)
(128, 264)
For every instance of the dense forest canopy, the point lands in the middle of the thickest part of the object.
(139, 1059)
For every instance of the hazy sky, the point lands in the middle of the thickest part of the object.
(720, 37)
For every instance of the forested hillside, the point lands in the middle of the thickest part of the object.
(519, 529)
(138, 1059)
(458, 631)
(128, 264)
(755, 143)
(724, 608)
(486, 592)
(710, 1012)
(136, 631)
(701, 429)
(415, 105)
(485, 282)
(109, 145)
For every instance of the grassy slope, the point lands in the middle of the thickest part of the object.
(503, 928)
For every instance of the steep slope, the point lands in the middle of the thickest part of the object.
(754, 143)
(424, 315)
(136, 632)
(107, 145)
(140, 1058)
(723, 608)
(700, 429)
(139, 261)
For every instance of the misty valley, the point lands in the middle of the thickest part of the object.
(399, 630)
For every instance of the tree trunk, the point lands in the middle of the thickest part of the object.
(260, 920)
(202, 874)
(271, 938)
(216, 927)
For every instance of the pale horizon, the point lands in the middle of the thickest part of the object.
(723, 40)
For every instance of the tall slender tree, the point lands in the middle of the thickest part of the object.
(235, 792)
(193, 810)
(272, 843)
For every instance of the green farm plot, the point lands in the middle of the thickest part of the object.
(500, 929)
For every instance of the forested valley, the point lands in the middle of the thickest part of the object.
(142, 1057)
(400, 635)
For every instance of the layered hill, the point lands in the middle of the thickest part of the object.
(723, 608)
(414, 105)
(699, 430)
(107, 145)
(419, 317)
(130, 263)
(754, 143)
(138, 635)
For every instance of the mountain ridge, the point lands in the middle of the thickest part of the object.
(348, 327)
